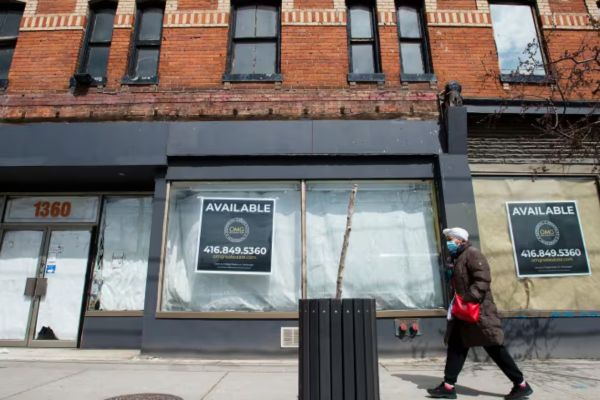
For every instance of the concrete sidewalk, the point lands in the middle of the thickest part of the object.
(100, 374)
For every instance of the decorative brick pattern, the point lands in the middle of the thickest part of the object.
(459, 18)
(386, 18)
(196, 19)
(479, 19)
(566, 21)
(123, 21)
(313, 17)
(52, 22)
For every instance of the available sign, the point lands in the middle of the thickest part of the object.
(236, 236)
(547, 238)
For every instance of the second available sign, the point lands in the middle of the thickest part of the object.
(236, 236)
(547, 238)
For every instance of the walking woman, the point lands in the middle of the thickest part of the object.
(471, 280)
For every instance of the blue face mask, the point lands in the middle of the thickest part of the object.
(452, 247)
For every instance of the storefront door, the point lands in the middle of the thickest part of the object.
(42, 276)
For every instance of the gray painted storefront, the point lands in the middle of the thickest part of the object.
(131, 156)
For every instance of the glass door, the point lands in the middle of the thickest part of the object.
(58, 311)
(20, 253)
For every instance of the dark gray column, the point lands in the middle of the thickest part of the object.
(456, 194)
(151, 299)
(456, 128)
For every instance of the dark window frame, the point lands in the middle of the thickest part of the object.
(10, 41)
(94, 6)
(377, 75)
(136, 44)
(537, 23)
(228, 76)
(428, 75)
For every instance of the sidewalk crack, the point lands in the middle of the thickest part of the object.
(212, 387)
(43, 384)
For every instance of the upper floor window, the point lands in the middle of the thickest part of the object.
(517, 42)
(254, 42)
(94, 56)
(10, 19)
(414, 54)
(363, 46)
(145, 49)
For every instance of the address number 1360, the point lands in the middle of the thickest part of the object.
(55, 209)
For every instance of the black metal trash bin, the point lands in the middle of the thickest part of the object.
(338, 350)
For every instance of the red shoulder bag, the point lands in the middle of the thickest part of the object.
(465, 311)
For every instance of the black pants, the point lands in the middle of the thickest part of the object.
(457, 354)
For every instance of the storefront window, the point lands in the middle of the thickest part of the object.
(233, 247)
(564, 252)
(392, 253)
(119, 280)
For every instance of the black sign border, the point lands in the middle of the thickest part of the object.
(220, 272)
(512, 239)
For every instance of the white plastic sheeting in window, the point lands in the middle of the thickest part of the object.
(186, 290)
(121, 266)
(66, 265)
(19, 258)
(392, 254)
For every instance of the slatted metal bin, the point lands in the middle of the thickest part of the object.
(338, 350)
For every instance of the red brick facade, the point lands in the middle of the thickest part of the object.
(314, 62)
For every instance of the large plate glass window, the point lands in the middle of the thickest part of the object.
(392, 253)
(119, 277)
(517, 40)
(232, 247)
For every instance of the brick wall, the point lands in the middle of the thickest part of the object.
(307, 59)
(55, 6)
(314, 62)
(44, 61)
(567, 6)
(197, 4)
(193, 57)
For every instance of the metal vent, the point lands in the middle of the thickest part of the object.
(290, 337)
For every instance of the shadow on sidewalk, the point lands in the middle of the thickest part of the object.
(425, 382)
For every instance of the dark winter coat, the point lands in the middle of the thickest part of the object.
(471, 280)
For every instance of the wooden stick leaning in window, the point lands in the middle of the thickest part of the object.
(340, 276)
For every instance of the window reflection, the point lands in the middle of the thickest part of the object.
(517, 41)
(413, 40)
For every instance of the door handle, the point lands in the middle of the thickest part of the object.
(41, 287)
(30, 284)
